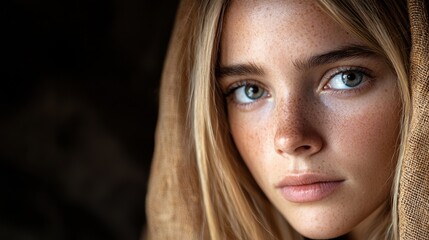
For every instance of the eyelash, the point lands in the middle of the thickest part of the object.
(237, 85)
(366, 82)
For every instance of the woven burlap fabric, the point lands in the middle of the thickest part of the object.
(414, 182)
(172, 207)
(173, 210)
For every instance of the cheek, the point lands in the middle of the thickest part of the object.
(246, 134)
(368, 141)
(252, 136)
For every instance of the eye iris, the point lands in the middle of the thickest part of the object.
(253, 91)
(352, 79)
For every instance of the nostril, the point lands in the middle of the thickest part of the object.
(298, 144)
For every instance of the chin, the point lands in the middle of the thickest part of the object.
(320, 236)
(320, 232)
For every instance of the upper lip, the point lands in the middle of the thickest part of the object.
(306, 179)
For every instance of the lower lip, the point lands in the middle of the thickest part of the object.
(309, 192)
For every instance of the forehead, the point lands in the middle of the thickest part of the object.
(298, 28)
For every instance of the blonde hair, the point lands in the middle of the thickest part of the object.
(233, 205)
(389, 36)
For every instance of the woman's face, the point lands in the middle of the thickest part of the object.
(313, 112)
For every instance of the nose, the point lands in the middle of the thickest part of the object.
(296, 134)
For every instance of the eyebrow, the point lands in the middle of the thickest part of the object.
(239, 70)
(345, 52)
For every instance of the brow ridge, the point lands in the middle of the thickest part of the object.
(239, 70)
(345, 52)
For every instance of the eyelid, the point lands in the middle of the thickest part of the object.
(231, 89)
(237, 84)
(331, 73)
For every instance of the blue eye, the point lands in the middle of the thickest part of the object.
(346, 79)
(248, 93)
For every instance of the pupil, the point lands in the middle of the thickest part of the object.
(351, 79)
(252, 91)
(351, 76)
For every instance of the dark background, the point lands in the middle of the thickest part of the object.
(78, 98)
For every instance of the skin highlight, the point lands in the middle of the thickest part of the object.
(302, 124)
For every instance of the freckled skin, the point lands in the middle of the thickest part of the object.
(300, 128)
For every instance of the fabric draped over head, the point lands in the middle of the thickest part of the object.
(173, 207)
(414, 181)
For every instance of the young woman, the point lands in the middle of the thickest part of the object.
(283, 120)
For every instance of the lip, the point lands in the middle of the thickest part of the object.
(308, 187)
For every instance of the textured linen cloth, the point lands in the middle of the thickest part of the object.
(414, 182)
(173, 207)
